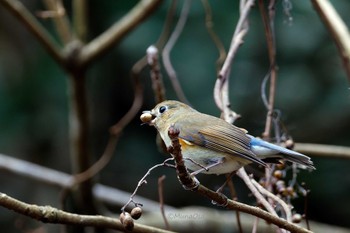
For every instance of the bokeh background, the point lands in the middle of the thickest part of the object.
(312, 94)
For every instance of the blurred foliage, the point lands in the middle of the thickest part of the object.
(312, 93)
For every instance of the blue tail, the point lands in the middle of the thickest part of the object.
(264, 149)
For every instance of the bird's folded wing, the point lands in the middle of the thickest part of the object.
(226, 139)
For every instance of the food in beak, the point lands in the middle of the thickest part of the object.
(146, 117)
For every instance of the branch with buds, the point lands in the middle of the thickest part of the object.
(50, 214)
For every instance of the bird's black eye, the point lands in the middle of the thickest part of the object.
(162, 109)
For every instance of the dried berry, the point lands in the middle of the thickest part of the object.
(296, 218)
(290, 191)
(278, 174)
(136, 213)
(280, 184)
(280, 166)
(262, 182)
(281, 187)
(127, 221)
(289, 144)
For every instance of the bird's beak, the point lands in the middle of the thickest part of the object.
(148, 117)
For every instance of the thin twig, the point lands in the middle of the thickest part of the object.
(161, 200)
(142, 63)
(117, 128)
(169, 46)
(234, 197)
(143, 181)
(99, 164)
(271, 45)
(269, 101)
(267, 193)
(260, 199)
(306, 196)
(115, 132)
(62, 24)
(241, 26)
(156, 76)
(164, 36)
(209, 24)
(255, 225)
(48, 214)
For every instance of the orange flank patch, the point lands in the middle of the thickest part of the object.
(184, 143)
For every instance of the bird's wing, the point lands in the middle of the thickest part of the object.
(224, 138)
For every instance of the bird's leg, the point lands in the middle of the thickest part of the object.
(219, 190)
(206, 168)
(198, 164)
(228, 178)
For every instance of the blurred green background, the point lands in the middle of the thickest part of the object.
(312, 93)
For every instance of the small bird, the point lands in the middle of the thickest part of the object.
(211, 145)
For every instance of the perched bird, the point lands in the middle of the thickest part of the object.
(211, 145)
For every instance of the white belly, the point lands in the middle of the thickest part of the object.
(205, 157)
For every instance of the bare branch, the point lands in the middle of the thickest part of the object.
(221, 93)
(260, 199)
(116, 32)
(21, 12)
(271, 45)
(78, 138)
(320, 150)
(284, 205)
(63, 180)
(48, 214)
(188, 181)
(60, 19)
(337, 28)
(80, 19)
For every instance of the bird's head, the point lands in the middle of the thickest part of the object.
(165, 113)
